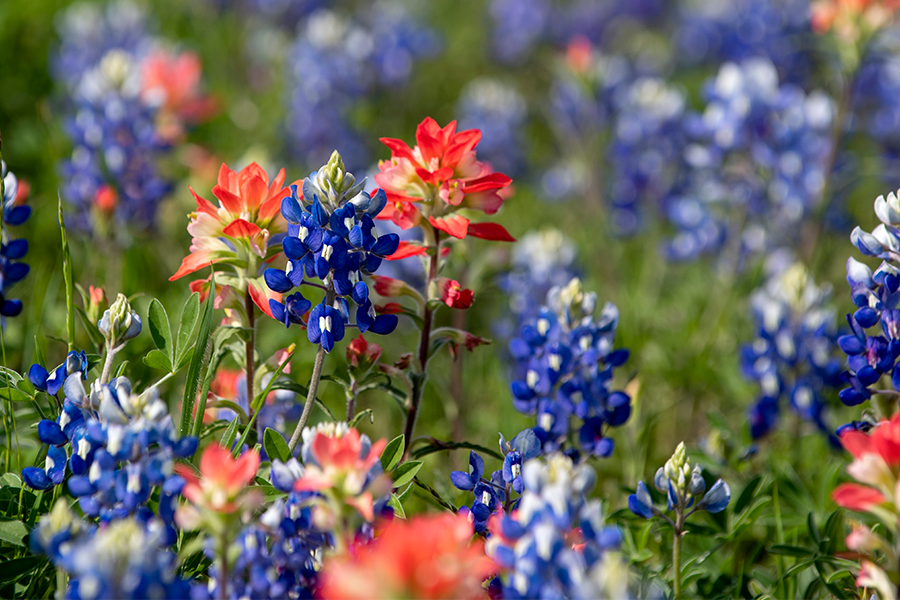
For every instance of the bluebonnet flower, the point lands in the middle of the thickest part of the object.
(566, 361)
(776, 30)
(499, 111)
(51, 382)
(519, 25)
(535, 548)
(128, 558)
(793, 354)
(875, 113)
(522, 25)
(684, 487)
(644, 152)
(334, 63)
(15, 212)
(754, 165)
(331, 237)
(113, 175)
(876, 296)
(540, 260)
(496, 494)
(122, 445)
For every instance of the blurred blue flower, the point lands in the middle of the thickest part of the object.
(793, 355)
(12, 251)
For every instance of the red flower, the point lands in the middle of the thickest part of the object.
(427, 557)
(856, 497)
(438, 177)
(106, 199)
(343, 463)
(222, 478)
(876, 459)
(237, 231)
(453, 294)
(173, 83)
(359, 351)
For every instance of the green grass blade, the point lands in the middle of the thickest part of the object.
(198, 360)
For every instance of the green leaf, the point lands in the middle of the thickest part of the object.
(155, 359)
(811, 526)
(394, 502)
(189, 315)
(746, 494)
(16, 568)
(788, 550)
(366, 413)
(275, 445)
(405, 472)
(160, 330)
(257, 404)
(92, 330)
(13, 532)
(402, 496)
(196, 366)
(68, 279)
(185, 358)
(237, 408)
(120, 370)
(436, 445)
(797, 568)
(392, 453)
(229, 435)
(12, 394)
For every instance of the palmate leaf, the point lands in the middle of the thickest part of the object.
(160, 329)
(189, 315)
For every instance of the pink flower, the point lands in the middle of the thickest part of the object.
(428, 557)
(222, 478)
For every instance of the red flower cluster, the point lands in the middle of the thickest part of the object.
(438, 177)
(427, 557)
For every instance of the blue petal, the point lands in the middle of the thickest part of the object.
(360, 293)
(462, 481)
(386, 245)
(278, 281)
(384, 324)
(293, 248)
(36, 478)
(17, 249)
(291, 209)
(37, 375)
(49, 432)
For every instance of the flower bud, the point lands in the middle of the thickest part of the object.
(660, 481)
(697, 485)
(119, 322)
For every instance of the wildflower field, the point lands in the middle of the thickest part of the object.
(558, 299)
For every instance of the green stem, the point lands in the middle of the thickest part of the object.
(676, 556)
(250, 347)
(421, 377)
(779, 529)
(223, 568)
(60, 583)
(313, 385)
